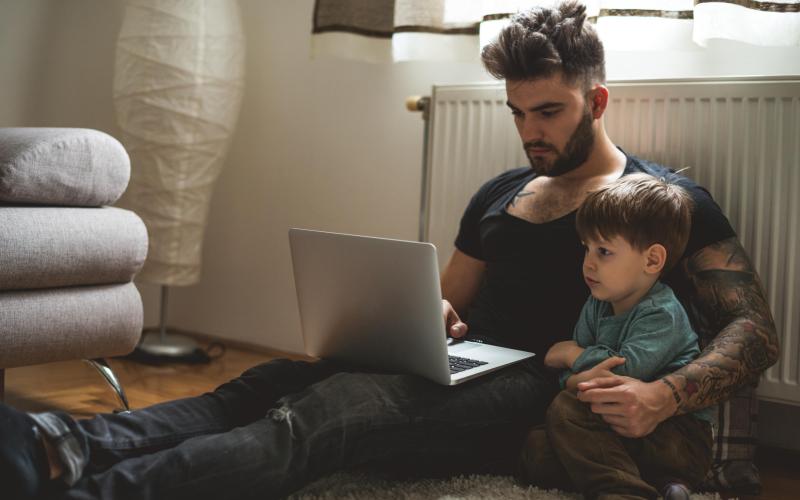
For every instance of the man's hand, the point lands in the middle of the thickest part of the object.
(452, 323)
(631, 407)
(562, 354)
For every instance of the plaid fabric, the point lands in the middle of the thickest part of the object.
(737, 427)
(735, 440)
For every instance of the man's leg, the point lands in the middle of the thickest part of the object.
(593, 454)
(235, 403)
(95, 444)
(346, 420)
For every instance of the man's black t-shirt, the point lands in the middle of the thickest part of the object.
(533, 288)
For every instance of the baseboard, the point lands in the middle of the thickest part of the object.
(205, 339)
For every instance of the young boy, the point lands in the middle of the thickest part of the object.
(634, 230)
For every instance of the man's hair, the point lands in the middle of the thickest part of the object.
(541, 42)
(643, 211)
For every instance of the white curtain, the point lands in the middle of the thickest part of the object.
(401, 30)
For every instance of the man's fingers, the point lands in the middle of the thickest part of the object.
(605, 410)
(452, 323)
(455, 327)
(458, 330)
(615, 420)
(599, 383)
(600, 396)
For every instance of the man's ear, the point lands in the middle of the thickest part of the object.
(598, 100)
(656, 257)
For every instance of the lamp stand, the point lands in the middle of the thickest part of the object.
(160, 343)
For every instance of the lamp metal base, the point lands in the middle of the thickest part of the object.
(166, 345)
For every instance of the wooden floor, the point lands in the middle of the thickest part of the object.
(75, 387)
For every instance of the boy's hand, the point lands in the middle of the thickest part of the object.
(563, 354)
(599, 371)
(603, 368)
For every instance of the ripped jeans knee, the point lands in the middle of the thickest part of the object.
(283, 414)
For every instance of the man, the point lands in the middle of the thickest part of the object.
(283, 424)
(726, 295)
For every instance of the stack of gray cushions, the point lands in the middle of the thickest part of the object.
(67, 260)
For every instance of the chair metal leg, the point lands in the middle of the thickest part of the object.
(101, 365)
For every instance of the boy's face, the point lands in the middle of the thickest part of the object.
(617, 273)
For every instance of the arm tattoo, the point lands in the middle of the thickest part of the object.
(675, 393)
(521, 195)
(729, 308)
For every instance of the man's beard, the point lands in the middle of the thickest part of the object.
(575, 153)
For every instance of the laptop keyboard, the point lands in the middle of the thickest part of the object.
(458, 364)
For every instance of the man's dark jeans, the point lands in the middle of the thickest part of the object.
(285, 423)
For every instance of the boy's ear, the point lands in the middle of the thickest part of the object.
(656, 256)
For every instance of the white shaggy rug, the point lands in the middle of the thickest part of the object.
(361, 486)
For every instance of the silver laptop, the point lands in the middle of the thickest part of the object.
(377, 303)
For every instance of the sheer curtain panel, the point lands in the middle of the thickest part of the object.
(401, 30)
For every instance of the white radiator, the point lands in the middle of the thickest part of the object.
(740, 136)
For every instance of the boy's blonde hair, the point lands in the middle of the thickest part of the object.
(643, 211)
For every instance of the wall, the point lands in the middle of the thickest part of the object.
(56, 62)
(321, 143)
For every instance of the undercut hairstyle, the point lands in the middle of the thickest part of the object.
(542, 42)
(643, 211)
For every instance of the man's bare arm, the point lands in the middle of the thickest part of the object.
(461, 280)
(728, 299)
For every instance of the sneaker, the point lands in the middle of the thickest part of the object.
(24, 468)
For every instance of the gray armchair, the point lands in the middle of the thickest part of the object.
(67, 259)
